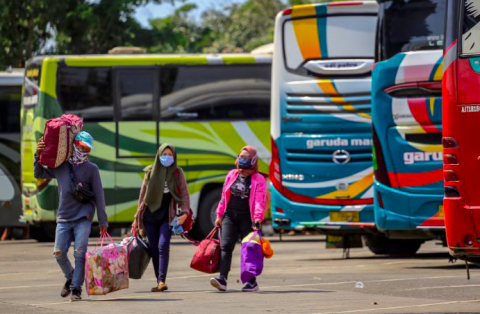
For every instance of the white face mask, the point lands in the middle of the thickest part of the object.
(79, 156)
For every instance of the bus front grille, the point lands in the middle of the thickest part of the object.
(328, 104)
(326, 156)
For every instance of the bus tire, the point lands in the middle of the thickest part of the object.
(43, 233)
(381, 245)
(377, 244)
(207, 212)
(407, 247)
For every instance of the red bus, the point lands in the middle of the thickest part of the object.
(461, 120)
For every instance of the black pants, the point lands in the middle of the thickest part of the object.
(234, 225)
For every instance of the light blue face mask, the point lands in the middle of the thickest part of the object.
(176, 227)
(167, 161)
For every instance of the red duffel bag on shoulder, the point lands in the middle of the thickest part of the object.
(58, 137)
(207, 255)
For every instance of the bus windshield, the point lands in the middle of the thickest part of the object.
(355, 33)
(424, 30)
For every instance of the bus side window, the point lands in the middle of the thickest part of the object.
(10, 109)
(471, 28)
(86, 92)
(215, 92)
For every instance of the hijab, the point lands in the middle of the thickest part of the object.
(158, 176)
(253, 155)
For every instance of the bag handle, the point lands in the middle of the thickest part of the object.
(212, 233)
(255, 233)
(102, 238)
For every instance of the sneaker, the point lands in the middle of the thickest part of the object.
(250, 287)
(76, 295)
(160, 287)
(219, 283)
(66, 289)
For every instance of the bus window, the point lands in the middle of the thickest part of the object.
(423, 31)
(10, 109)
(86, 92)
(136, 116)
(355, 33)
(471, 28)
(206, 93)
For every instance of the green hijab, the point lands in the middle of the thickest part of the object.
(158, 176)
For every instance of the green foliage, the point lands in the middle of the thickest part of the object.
(69, 26)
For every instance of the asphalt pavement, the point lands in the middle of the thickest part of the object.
(302, 277)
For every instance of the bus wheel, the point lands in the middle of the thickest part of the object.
(381, 245)
(208, 212)
(377, 244)
(43, 233)
(408, 247)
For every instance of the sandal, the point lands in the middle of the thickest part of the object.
(161, 287)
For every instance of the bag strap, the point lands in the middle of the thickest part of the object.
(72, 173)
(212, 233)
(187, 237)
(255, 233)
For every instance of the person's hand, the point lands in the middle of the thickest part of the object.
(134, 228)
(40, 147)
(218, 222)
(103, 230)
(257, 225)
(182, 218)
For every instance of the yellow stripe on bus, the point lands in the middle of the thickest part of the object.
(353, 190)
(329, 89)
(304, 28)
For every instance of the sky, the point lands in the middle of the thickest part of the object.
(150, 11)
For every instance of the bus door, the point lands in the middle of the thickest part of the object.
(136, 99)
(461, 109)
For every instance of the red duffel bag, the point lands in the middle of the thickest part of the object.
(207, 255)
(58, 137)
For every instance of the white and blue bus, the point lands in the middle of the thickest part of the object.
(321, 169)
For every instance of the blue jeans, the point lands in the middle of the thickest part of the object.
(159, 236)
(66, 232)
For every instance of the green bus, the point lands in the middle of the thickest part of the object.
(208, 106)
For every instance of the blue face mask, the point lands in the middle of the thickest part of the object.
(166, 161)
(244, 163)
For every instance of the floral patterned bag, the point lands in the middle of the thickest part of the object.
(106, 268)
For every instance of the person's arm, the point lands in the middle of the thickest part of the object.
(39, 171)
(141, 201)
(222, 205)
(99, 198)
(184, 195)
(259, 203)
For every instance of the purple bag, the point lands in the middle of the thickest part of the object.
(251, 258)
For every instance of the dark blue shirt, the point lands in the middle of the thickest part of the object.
(69, 209)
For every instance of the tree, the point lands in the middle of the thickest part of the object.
(24, 30)
(72, 26)
(242, 27)
(178, 33)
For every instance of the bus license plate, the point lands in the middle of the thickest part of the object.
(345, 216)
